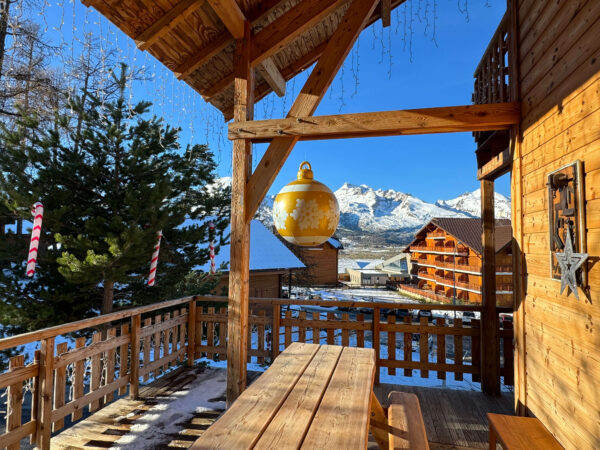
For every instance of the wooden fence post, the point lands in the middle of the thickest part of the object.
(60, 381)
(275, 330)
(134, 379)
(35, 397)
(44, 418)
(191, 329)
(376, 344)
(14, 400)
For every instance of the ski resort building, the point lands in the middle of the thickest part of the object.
(446, 256)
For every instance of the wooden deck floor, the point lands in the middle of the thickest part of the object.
(453, 419)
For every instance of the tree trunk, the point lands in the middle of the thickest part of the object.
(4, 14)
(107, 300)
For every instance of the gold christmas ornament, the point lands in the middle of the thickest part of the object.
(305, 211)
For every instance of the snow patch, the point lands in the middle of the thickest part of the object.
(156, 428)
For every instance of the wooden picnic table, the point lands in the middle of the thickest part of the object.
(312, 396)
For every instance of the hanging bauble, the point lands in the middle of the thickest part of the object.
(305, 211)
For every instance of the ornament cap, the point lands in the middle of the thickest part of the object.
(305, 173)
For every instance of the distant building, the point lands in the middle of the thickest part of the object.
(446, 260)
(321, 262)
(397, 267)
(367, 277)
(270, 260)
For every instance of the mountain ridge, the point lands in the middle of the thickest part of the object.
(381, 217)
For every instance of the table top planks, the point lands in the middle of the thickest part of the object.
(342, 420)
(313, 396)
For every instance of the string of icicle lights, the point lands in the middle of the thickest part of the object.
(78, 34)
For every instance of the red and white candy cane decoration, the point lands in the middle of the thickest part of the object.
(38, 214)
(211, 246)
(154, 261)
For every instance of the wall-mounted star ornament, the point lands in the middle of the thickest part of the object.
(569, 263)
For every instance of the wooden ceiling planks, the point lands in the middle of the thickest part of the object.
(190, 39)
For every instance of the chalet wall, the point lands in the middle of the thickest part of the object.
(265, 285)
(322, 264)
(558, 340)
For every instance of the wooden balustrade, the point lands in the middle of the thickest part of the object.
(137, 345)
(94, 372)
(491, 74)
(271, 330)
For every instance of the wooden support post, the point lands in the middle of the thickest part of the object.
(239, 274)
(191, 331)
(378, 423)
(44, 418)
(134, 380)
(376, 342)
(490, 359)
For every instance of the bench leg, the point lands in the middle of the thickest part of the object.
(378, 424)
(493, 438)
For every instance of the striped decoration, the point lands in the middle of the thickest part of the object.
(211, 246)
(37, 211)
(154, 261)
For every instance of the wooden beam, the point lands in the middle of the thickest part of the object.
(311, 94)
(231, 15)
(289, 26)
(490, 358)
(301, 64)
(272, 76)
(297, 66)
(239, 271)
(166, 23)
(386, 13)
(386, 123)
(496, 167)
(204, 54)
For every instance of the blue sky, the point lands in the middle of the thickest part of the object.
(393, 71)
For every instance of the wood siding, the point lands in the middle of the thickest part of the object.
(321, 264)
(264, 285)
(557, 336)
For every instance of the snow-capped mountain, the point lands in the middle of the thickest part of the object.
(470, 203)
(380, 217)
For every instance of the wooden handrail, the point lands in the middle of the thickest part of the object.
(32, 336)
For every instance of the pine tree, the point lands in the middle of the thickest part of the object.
(110, 178)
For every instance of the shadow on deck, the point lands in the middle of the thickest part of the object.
(453, 419)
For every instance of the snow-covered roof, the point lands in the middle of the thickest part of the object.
(266, 252)
(347, 263)
(335, 243)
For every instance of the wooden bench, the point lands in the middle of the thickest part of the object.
(516, 432)
(406, 426)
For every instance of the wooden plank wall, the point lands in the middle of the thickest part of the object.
(558, 340)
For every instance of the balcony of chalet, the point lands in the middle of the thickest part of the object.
(142, 382)
(139, 378)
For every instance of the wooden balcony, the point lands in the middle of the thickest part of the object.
(493, 84)
(145, 344)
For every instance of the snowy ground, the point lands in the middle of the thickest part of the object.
(165, 419)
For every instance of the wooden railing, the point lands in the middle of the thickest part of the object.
(126, 348)
(491, 75)
(123, 348)
(409, 344)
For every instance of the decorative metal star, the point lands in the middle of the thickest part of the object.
(569, 263)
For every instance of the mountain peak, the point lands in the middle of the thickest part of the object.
(389, 217)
